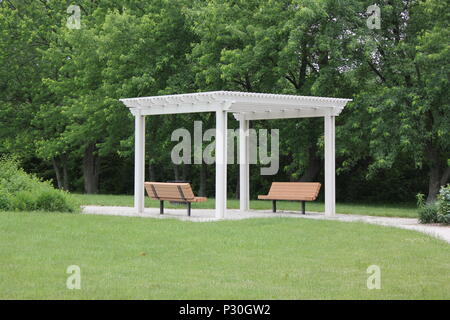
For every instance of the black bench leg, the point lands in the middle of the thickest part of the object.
(161, 207)
(274, 206)
(189, 209)
(303, 207)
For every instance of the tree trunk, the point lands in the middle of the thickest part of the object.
(176, 172)
(313, 165)
(433, 184)
(91, 166)
(150, 146)
(65, 182)
(438, 175)
(60, 167)
(185, 172)
(445, 176)
(152, 172)
(202, 188)
(57, 172)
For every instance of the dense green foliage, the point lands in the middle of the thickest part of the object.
(428, 212)
(138, 258)
(22, 192)
(436, 212)
(59, 88)
(443, 203)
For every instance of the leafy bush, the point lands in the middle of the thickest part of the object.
(5, 202)
(428, 212)
(438, 212)
(20, 191)
(443, 204)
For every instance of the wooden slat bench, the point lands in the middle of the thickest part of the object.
(295, 191)
(172, 191)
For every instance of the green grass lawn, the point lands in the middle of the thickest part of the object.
(277, 258)
(387, 210)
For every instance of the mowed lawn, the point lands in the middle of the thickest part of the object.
(274, 258)
(408, 210)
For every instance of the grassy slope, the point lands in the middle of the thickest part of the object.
(388, 210)
(124, 257)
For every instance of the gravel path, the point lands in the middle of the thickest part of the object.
(205, 215)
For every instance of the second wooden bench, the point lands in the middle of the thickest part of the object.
(296, 191)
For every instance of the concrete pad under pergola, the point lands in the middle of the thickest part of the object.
(245, 107)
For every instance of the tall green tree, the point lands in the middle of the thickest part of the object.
(115, 54)
(292, 47)
(403, 103)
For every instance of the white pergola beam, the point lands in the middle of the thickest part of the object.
(139, 163)
(251, 107)
(285, 114)
(330, 170)
(244, 169)
(176, 109)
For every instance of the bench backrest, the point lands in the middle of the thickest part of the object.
(175, 191)
(294, 190)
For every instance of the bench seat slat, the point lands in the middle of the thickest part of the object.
(196, 199)
(170, 191)
(300, 191)
(305, 198)
(293, 194)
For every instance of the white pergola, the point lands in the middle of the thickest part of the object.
(245, 107)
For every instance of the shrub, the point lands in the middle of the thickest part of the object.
(443, 204)
(20, 191)
(53, 200)
(428, 212)
(5, 201)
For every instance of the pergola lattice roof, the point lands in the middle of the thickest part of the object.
(250, 106)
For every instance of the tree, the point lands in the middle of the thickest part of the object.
(291, 47)
(59, 87)
(27, 28)
(403, 103)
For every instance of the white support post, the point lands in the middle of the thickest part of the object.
(330, 170)
(139, 162)
(221, 163)
(244, 176)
